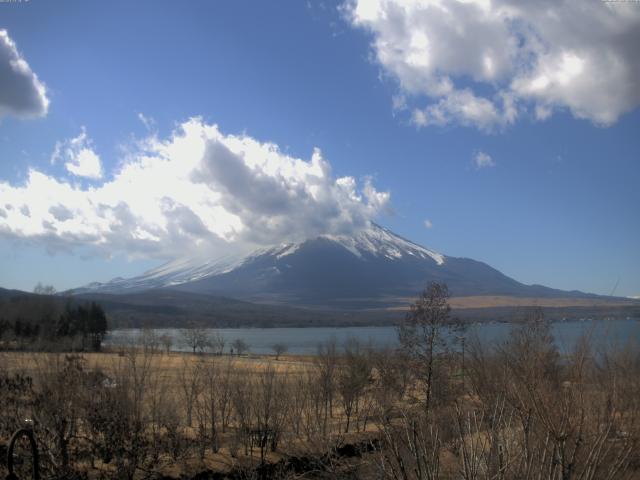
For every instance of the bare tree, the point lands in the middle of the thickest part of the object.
(163, 420)
(240, 346)
(190, 384)
(421, 334)
(149, 340)
(412, 438)
(326, 364)
(353, 378)
(167, 342)
(392, 375)
(207, 405)
(279, 348)
(269, 410)
(410, 448)
(216, 343)
(122, 420)
(224, 387)
(299, 403)
(57, 405)
(195, 338)
(241, 398)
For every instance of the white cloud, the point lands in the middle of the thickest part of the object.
(21, 92)
(148, 122)
(199, 189)
(484, 63)
(428, 223)
(79, 156)
(483, 160)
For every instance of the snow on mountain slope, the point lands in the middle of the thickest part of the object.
(375, 241)
(372, 268)
(379, 241)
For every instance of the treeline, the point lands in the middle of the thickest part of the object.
(47, 322)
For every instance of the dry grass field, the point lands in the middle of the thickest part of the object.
(169, 365)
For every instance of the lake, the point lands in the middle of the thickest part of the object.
(615, 333)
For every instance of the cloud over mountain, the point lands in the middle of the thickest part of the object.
(484, 63)
(197, 189)
(79, 156)
(21, 92)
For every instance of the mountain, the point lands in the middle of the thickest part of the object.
(373, 268)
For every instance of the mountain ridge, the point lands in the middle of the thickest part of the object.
(373, 268)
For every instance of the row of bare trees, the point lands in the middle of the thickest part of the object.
(141, 411)
(197, 339)
(517, 409)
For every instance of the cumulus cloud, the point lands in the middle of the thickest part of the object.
(21, 92)
(198, 189)
(483, 160)
(485, 63)
(79, 157)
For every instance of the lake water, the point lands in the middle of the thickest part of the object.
(603, 333)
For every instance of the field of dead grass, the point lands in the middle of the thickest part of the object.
(170, 364)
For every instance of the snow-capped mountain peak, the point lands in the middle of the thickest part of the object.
(374, 242)
(379, 241)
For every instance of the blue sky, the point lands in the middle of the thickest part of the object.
(555, 201)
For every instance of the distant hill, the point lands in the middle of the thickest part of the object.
(173, 308)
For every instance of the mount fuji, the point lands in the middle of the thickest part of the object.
(373, 268)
